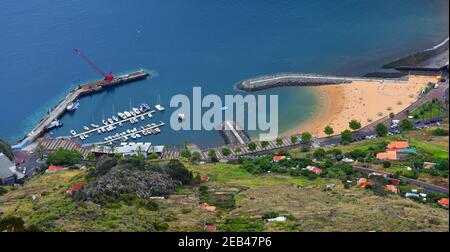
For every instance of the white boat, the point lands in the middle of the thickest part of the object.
(115, 118)
(137, 135)
(54, 124)
(120, 124)
(94, 125)
(81, 137)
(150, 115)
(133, 136)
(144, 133)
(159, 107)
(86, 128)
(103, 129)
(99, 131)
(121, 115)
(127, 114)
(132, 113)
(142, 118)
(135, 110)
(128, 131)
(157, 130)
(73, 132)
(110, 121)
(104, 122)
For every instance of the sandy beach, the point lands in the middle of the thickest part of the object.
(362, 100)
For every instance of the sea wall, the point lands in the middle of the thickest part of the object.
(284, 80)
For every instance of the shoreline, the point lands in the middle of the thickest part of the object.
(332, 98)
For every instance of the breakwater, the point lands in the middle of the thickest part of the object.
(82, 90)
(300, 79)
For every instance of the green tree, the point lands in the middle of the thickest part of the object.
(251, 146)
(112, 149)
(64, 157)
(306, 137)
(328, 130)
(5, 148)
(346, 137)
(238, 149)
(264, 144)
(226, 152)
(406, 124)
(186, 153)
(279, 141)
(196, 156)
(354, 125)
(294, 139)
(212, 155)
(381, 129)
(152, 156)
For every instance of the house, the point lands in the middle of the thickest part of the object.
(443, 202)
(54, 168)
(208, 207)
(363, 182)
(388, 155)
(211, 228)
(397, 145)
(277, 159)
(392, 188)
(378, 174)
(428, 165)
(7, 176)
(314, 169)
(204, 178)
(277, 219)
(394, 181)
(76, 187)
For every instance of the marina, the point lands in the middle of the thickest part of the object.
(70, 102)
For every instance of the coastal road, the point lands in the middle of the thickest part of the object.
(428, 187)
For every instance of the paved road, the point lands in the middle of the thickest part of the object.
(428, 187)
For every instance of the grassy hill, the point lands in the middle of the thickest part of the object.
(241, 199)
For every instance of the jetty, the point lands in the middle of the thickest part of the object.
(301, 79)
(233, 134)
(83, 90)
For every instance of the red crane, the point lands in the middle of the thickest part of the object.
(107, 78)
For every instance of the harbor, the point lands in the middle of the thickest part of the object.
(83, 90)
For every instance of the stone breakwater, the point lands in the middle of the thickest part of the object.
(285, 80)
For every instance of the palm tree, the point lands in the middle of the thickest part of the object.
(112, 148)
(139, 150)
(39, 151)
(101, 148)
(93, 146)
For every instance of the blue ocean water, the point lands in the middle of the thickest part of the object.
(212, 44)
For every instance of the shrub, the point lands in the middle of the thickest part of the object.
(179, 172)
(270, 215)
(196, 156)
(381, 130)
(354, 125)
(346, 137)
(264, 144)
(241, 224)
(3, 191)
(386, 164)
(238, 149)
(186, 153)
(104, 166)
(306, 137)
(212, 155)
(328, 130)
(319, 154)
(406, 125)
(440, 132)
(152, 156)
(279, 141)
(226, 152)
(294, 139)
(64, 157)
(251, 146)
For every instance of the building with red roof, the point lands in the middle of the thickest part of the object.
(54, 168)
(443, 202)
(76, 187)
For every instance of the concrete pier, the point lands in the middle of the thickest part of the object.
(82, 90)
